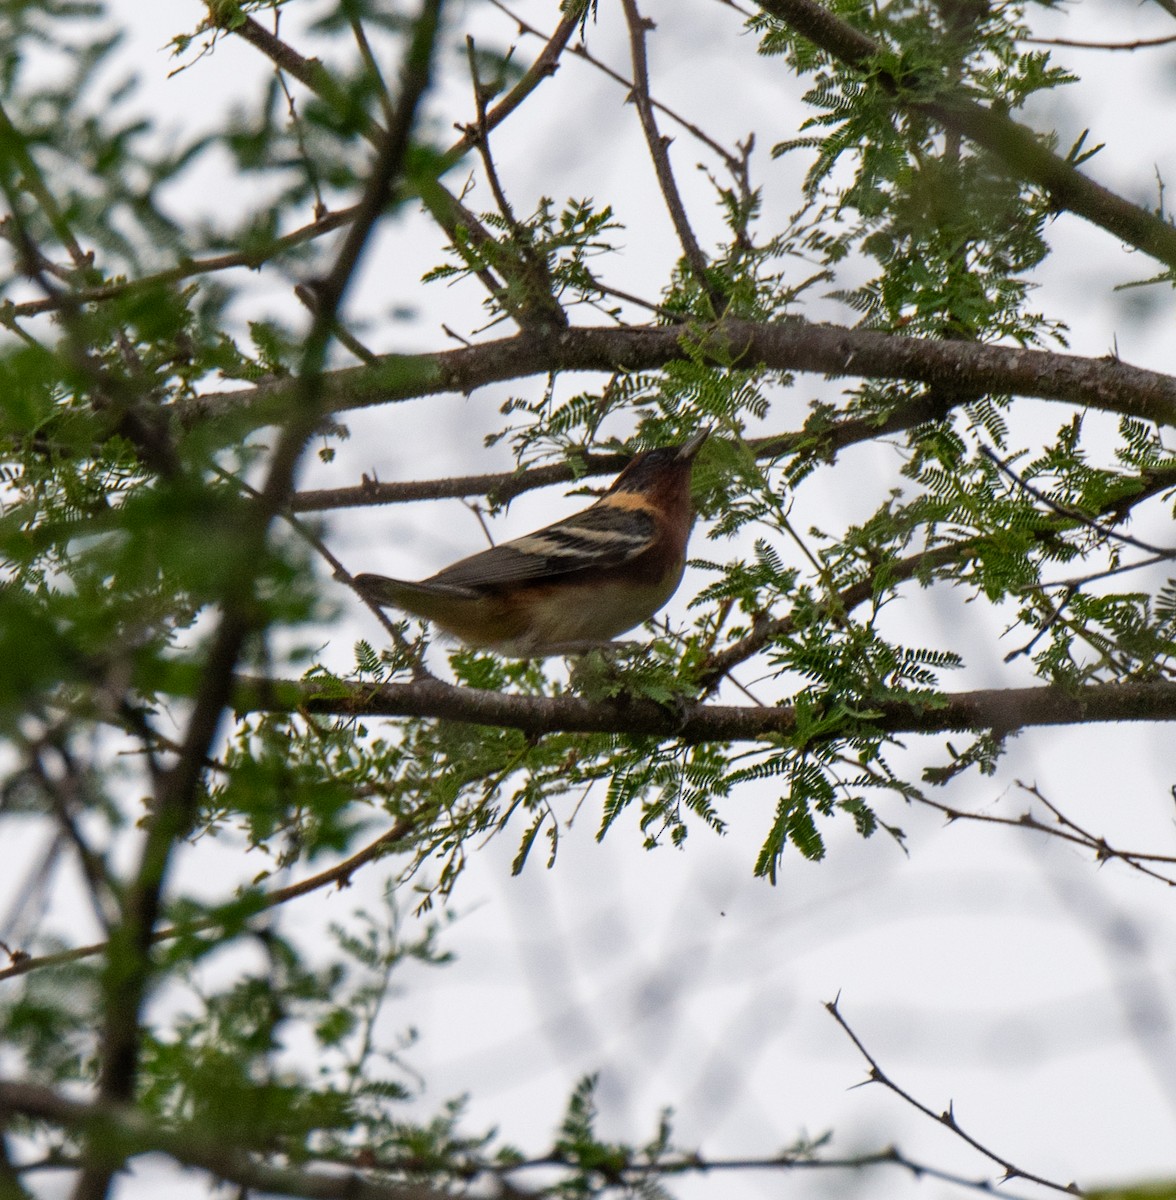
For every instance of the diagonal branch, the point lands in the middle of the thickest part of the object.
(340, 874)
(1062, 828)
(128, 962)
(546, 64)
(877, 1075)
(1018, 147)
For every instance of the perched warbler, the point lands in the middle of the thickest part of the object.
(573, 584)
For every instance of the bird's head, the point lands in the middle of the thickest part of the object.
(665, 467)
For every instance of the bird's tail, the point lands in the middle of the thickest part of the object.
(422, 598)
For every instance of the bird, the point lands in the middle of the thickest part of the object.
(572, 585)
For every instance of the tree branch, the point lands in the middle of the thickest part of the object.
(339, 874)
(1018, 147)
(121, 1126)
(877, 1075)
(1003, 710)
(791, 345)
(1063, 828)
(128, 963)
(498, 488)
(1141, 44)
(504, 486)
(188, 269)
(659, 153)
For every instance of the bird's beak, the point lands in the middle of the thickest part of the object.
(689, 448)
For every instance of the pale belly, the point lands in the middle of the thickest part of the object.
(569, 617)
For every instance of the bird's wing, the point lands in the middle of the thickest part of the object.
(602, 536)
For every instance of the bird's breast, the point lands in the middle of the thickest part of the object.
(592, 611)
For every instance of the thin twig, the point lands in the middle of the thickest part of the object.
(582, 51)
(339, 874)
(1079, 581)
(1073, 514)
(947, 1117)
(659, 153)
(1142, 44)
(340, 572)
(251, 259)
(1102, 848)
(312, 175)
(63, 798)
(34, 183)
(365, 50)
(1072, 833)
(1055, 615)
(344, 336)
(499, 488)
(539, 305)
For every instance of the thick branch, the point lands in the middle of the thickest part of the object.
(792, 345)
(1000, 709)
(1015, 145)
